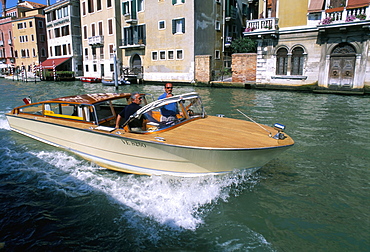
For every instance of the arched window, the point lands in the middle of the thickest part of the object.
(297, 61)
(281, 61)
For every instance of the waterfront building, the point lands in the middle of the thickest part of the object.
(323, 43)
(101, 33)
(29, 34)
(6, 41)
(63, 27)
(161, 39)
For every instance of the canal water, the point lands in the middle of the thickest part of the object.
(314, 197)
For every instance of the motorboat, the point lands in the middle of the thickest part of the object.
(192, 143)
(109, 82)
(90, 79)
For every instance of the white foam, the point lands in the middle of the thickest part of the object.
(175, 202)
(4, 123)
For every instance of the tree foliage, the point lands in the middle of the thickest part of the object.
(244, 45)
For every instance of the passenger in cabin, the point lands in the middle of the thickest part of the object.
(136, 124)
(169, 112)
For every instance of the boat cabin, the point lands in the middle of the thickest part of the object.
(102, 110)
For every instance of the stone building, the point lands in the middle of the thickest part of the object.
(318, 43)
(163, 38)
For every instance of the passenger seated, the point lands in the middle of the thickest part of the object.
(136, 124)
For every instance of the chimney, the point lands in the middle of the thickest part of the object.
(3, 4)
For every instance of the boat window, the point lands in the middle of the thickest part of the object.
(193, 107)
(119, 105)
(109, 109)
(104, 110)
(35, 109)
(69, 111)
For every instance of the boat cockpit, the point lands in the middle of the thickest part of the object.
(188, 107)
(104, 113)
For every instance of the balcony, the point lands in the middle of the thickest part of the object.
(1, 43)
(133, 43)
(231, 14)
(338, 16)
(341, 15)
(261, 26)
(96, 40)
(10, 42)
(130, 19)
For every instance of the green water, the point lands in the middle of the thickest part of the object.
(314, 197)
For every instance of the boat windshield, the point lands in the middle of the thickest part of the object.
(171, 111)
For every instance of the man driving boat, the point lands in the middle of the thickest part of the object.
(136, 124)
(169, 111)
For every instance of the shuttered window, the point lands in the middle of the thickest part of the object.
(178, 25)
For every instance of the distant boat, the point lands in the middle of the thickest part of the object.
(90, 79)
(109, 82)
(20, 78)
(190, 144)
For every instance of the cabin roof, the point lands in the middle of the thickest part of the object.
(91, 98)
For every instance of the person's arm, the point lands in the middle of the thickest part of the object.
(118, 120)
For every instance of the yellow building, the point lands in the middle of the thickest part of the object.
(29, 38)
(288, 12)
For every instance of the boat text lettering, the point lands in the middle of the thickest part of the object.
(132, 143)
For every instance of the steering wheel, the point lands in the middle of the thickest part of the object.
(190, 112)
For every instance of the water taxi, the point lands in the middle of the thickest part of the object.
(191, 144)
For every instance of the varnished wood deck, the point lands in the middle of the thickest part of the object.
(210, 132)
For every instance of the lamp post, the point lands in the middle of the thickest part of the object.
(115, 69)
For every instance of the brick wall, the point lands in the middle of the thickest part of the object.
(203, 68)
(244, 67)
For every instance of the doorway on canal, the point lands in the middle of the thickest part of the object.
(342, 67)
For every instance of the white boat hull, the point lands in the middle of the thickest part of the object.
(121, 153)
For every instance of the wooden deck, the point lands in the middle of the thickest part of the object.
(210, 132)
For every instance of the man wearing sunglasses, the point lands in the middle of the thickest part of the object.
(136, 124)
(168, 111)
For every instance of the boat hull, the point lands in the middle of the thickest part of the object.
(112, 83)
(90, 79)
(126, 154)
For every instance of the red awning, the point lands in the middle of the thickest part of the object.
(50, 62)
(316, 6)
(338, 9)
(352, 4)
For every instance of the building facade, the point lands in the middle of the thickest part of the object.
(323, 43)
(64, 36)
(29, 38)
(6, 41)
(162, 38)
(22, 29)
(101, 34)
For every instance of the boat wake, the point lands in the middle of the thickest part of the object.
(3, 122)
(152, 208)
(179, 203)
